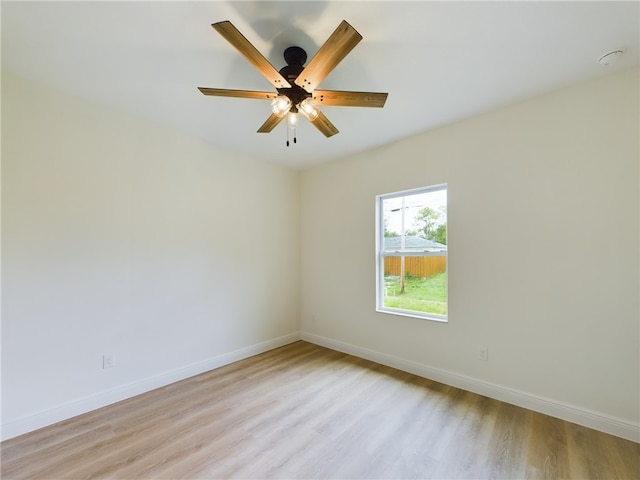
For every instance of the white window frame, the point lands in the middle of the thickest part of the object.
(380, 255)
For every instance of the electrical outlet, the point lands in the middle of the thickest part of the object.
(483, 353)
(108, 360)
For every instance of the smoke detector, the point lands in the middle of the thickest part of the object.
(610, 58)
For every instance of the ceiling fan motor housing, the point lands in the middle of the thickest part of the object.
(295, 58)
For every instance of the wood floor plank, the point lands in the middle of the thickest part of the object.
(304, 411)
(476, 429)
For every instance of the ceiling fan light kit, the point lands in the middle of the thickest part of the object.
(308, 109)
(281, 105)
(295, 83)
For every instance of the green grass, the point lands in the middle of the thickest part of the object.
(428, 295)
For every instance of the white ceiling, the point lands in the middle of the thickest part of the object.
(439, 61)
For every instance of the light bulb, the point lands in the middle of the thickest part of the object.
(280, 105)
(308, 109)
(292, 119)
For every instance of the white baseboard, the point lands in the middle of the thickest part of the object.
(570, 413)
(83, 405)
(595, 420)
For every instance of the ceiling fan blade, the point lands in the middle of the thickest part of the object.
(337, 46)
(270, 123)
(341, 98)
(323, 124)
(251, 53)
(224, 92)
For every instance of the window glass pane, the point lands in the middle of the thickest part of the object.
(424, 288)
(415, 222)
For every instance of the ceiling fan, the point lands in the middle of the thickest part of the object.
(295, 83)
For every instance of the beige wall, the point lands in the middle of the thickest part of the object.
(121, 236)
(543, 249)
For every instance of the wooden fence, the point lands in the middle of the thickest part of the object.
(415, 266)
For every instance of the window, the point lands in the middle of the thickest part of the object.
(411, 245)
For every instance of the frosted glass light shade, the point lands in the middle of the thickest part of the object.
(292, 119)
(281, 105)
(308, 109)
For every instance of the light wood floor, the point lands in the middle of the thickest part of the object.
(303, 411)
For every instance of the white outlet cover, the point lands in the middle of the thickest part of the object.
(483, 353)
(108, 360)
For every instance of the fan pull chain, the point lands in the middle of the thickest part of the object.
(295, 140)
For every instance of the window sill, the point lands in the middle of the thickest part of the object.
(408, 313)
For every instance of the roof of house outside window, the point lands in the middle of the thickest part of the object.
(414, 243)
